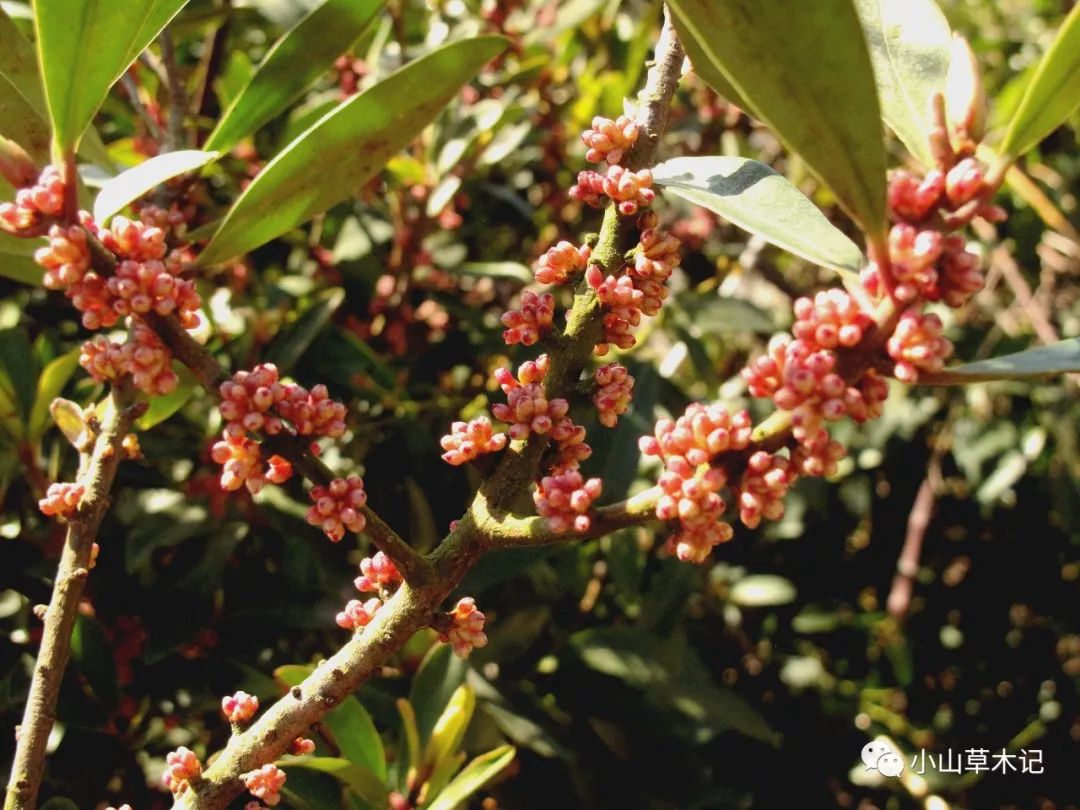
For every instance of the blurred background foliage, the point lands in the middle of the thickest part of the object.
(623, 678)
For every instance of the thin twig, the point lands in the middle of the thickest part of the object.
(907, 564)
(97, 469)
(175, 137)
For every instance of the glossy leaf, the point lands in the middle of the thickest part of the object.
(296, 60)
(1052, 94)
(440, 674)
(17, 260)
(349, 724)
(804, 70)
(450, 727)
(473, 777)
(410, 733)
(128, 186)
(1043, 361)
(49, 385)
(357, 778)
(346, 147)
(84, 47)
(762, 201)
(909, 43)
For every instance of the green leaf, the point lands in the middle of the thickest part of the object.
(346, 147)
(450, 727)
(440, 674)
(84, 47)
(412, 734)
(1043, 361)
(162, 407)
(296, 60)
(291, 343)
(1052, 95)
(17, 258)
(909, 42)
(18, 370)
(128, 186)
(762, 201)
(357, 778)
(804, 70)
(473, 777)
(762, 590)
(49, 385)
(349, 724)
(22, 103)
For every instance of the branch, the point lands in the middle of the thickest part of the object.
(178, 101)
(97, 469)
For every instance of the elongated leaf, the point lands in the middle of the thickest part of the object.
(137, 181)
(1043, 361)
(1052, 95)
(346, 147)
(473, 777)
(17, 260)
(450, 727)
(22, 104)
(909, 45)
(295, 61)
(289, 346)
(410, 732)
(804, 70)
(760, 200)
(49, 385)
(349, 724)
(440, 674)
(84, 47)
(357, 778)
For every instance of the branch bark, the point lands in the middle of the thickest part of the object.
(97, 469)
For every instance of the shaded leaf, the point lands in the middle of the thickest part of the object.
(291, 343)
(473, 777)
(440, 674)
(1058, 358)
(128, 186)
(296, 60)
(346, 147)
(85, 47)
(18, 370)
(1052, 94)
(820, 100)
(909, 43)
(367, 785)
(410, 732)
(762, 201)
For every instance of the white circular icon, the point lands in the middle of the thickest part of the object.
(872, 752)
(890, 764)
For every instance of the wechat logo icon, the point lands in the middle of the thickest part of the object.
(879, 756)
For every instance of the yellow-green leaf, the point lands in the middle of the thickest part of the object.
(473, 777)
(450, 727)
(49, 385)
(1052, 94)
(804, 70)
(84, 47)
(347, 146)
(22, 104)
(17, 259)
(138, 180)
(762, 201)
(910, 43)
(296, 60)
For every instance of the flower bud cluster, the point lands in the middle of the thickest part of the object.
(608, 141)
(762, 488)
(622, 303)
(61, 499)
(143, 356)
(614, 389)
(357, 615)
(629, 190)
(466, 630)
(527, 408)
(265, 783)
(917, 345)
(528, 324)
(302, 746)
(830, 319)
(339, 507)
(689, 483)
(239, 708)
(565, 499)
(467, 440)
(34, 203)
(377, 573)
(560, 262)
(181, 768)
(241, 462)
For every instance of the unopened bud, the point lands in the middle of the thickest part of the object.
(15, 165)
(965, 98)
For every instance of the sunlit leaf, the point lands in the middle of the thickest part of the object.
(296, 60)
(473, 777)
(762, 590)
(23, 115)
(345, 148)
(804, 70)
(1052, 94)
(49, 385)
(1043, 361)
(128, 186)
(450, 727)
(17, 260)
(909, 44)
(84, 47)
(440, 674)
(762, 201)
(164, 406)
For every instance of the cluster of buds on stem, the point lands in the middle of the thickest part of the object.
(182, 768)
(339, 507)
(61, 499)
(464, 628)
(467, 440)
(239, 708)
(265, 783)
